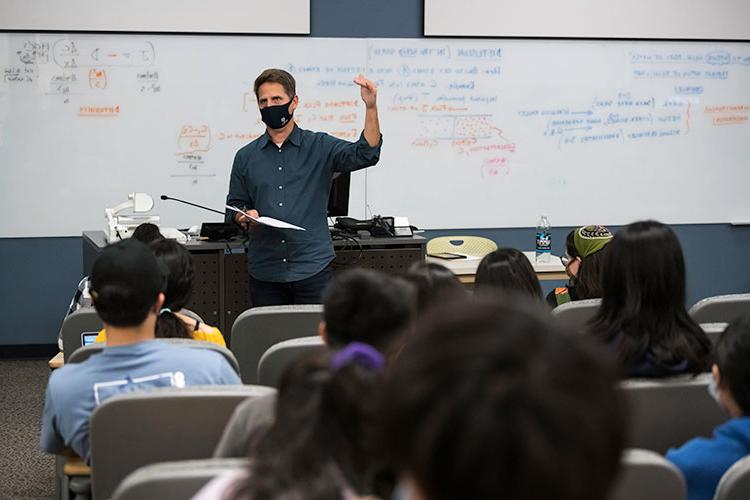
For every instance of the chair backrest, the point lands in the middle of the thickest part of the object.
(191, 314)
(645, 475)
(735, 483)
(664, 413)
(174, 480)
(575, 315)
(279, 356)
(713, 331)
(467, 245)
(257, 329)
(721, 308)
(132, 430)
(84, 320)
(83, 353)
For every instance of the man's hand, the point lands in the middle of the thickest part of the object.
(246, 222)
(368, 90)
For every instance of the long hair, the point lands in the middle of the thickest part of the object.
(322, 440)
(177, 259)
(643, 300)
(508, 270)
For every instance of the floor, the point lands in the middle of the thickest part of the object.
(28, 472)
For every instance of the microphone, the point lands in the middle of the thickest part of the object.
(165, 197)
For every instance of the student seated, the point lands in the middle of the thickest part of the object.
(643, 317)
(321, 444)
(507, 270)
(127, 286)
(493, 400)
(172, 323)
(435, 285)
(585, 248)
(359, 305)
(145, 233)
(704, 460)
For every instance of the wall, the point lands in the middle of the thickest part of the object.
(39, 274)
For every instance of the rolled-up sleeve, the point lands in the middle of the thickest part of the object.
(349, 156)
(238, 192)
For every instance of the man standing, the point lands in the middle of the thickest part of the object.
(286, 174)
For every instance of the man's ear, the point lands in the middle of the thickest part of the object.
(716, 374)
(293, 105)
(323, 332)
(159, 303)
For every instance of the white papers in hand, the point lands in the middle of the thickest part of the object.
(268, 221)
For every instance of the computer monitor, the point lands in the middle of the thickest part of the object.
(338, 199)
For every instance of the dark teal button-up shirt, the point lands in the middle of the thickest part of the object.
(292, 183)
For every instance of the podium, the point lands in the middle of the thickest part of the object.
(221, 290)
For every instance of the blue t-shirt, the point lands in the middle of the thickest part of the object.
(704, 460)
(75, 390)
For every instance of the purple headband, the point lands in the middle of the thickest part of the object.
(358, 353)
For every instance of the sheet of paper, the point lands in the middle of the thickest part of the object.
(268, 221)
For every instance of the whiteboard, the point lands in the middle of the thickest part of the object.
(477, 133)
(186, 16)
(661, 19)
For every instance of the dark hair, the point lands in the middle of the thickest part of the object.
(176, 258)
(731, 355)
(280, 76)
(147, 233)
(643, 301)
(434, 283)
(492, 400)
(367, 306)
(508, 270)
(322, 440)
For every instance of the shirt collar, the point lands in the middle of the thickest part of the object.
(294, 138)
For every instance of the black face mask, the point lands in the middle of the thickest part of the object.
(276, 116)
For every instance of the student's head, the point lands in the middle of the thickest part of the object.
(147, 233)
(507, 270)
(176, 259)
(363, 305)
(586, 257)
(127, 284)
(492, 400)
(322, 440)
(643, 298)
(435, 284)
(731, 367)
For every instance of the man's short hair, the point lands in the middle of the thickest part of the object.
(491, 400)
(732, 353)
(147, 233)
(126, 280)
(367, 306)
(280, 76)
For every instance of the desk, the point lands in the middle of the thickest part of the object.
(221, 291)
(466, 268)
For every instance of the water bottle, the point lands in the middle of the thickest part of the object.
(543, 240)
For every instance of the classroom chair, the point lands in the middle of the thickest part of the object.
(576, 315)
(475, 246)
(174, 480)
(257, 329)
(83, 353)
(279, 356)
(721, 308)
(713, 331)
(665, 413)
(84, 320)
(129, 431)
(646, 475)
(735, 483)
